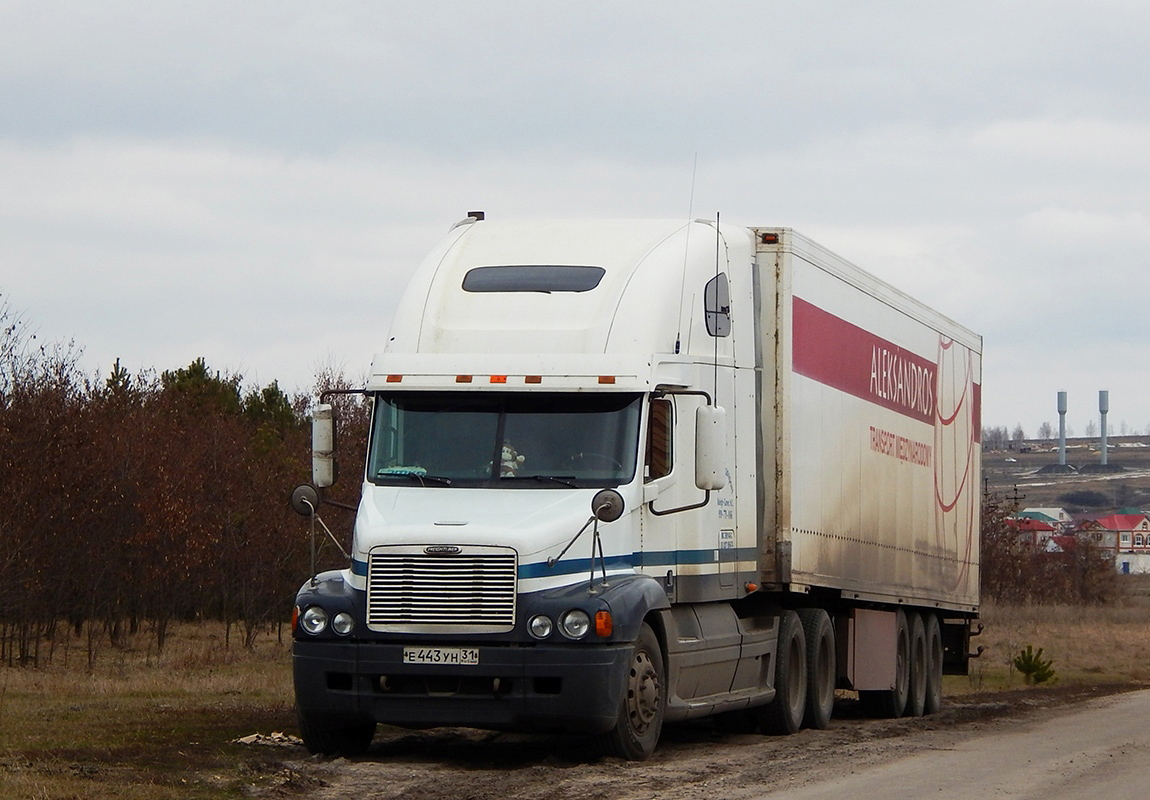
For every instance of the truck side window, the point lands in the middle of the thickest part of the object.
(660, 456)
(717, 305)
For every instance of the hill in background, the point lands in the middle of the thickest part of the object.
(1081, 491)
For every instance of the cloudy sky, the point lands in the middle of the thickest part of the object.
(254, 182)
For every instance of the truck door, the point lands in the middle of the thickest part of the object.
(682, 538)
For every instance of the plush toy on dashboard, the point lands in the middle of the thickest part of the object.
(510, 461)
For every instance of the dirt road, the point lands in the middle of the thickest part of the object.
(983, 744)
(1096, 750)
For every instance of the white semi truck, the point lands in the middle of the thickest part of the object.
(628, 472)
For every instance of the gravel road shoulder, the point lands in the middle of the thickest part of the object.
(693, 760)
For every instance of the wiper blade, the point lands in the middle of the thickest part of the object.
(550, 478)
(412, 475)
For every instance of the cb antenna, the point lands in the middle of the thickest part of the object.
(686, 250)
(718, 309)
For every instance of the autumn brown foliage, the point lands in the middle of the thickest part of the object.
(137, 500)
(1015, 572)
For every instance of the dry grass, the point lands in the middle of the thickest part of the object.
(142, 725)
(1089, 644)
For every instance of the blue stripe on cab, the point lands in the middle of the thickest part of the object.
(570, 566)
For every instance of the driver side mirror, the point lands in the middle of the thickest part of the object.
(323, 446)
(710, 447)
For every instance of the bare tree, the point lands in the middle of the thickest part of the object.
(994, 438)
(1045, 432)
(1091, 429)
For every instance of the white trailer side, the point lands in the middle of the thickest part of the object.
(871, 434)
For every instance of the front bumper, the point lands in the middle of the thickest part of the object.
(575, 688)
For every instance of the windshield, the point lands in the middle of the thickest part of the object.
(528, 440)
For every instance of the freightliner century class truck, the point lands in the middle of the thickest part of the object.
(622, 473)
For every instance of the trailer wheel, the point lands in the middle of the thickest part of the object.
(784, 714)
(891, 703)
(820, 641)
(934, 665)
(323, 740)
(919, 667)
(644, 703)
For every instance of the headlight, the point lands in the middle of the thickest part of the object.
(540, 626)
(575, 623)
(314, 620)
(342, 623)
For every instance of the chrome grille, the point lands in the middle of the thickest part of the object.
(411, 591)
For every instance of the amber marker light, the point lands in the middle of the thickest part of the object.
(295, 618)
(770, 238)
(607, 379)
(750, 587)
(533, 379)
(603, 624)
(463, 379)
(499, 379)
(394, 378)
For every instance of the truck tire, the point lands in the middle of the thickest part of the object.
(934, 664)
(820, 641)
(784, 714)
(644, 702)
(919, 667)
(890, 703)
(328, 741)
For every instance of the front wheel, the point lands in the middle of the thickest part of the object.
(644, 702)
(326, 740)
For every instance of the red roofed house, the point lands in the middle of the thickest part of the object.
(1123, 537)
(1032, 532)
(1062, 544)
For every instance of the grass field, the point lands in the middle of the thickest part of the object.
(142, 725)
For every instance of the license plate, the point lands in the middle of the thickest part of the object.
(461, 656)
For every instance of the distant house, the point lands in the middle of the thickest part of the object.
(1033, 532)
(1122, 537)
(1059, 517)
(1062, 544)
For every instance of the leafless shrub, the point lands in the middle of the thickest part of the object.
(1014, 572)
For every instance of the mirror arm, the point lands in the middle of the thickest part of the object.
(345, 506)
(663, 392)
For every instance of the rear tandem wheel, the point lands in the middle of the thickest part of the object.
(784, 714)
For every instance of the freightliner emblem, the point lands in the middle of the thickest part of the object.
(442, 550)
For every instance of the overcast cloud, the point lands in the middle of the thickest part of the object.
(254, 183)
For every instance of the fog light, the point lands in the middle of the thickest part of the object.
(314, 620)
(540, 627)
(575, 623)
(342, 623)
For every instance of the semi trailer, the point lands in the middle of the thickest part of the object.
(622, 473)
